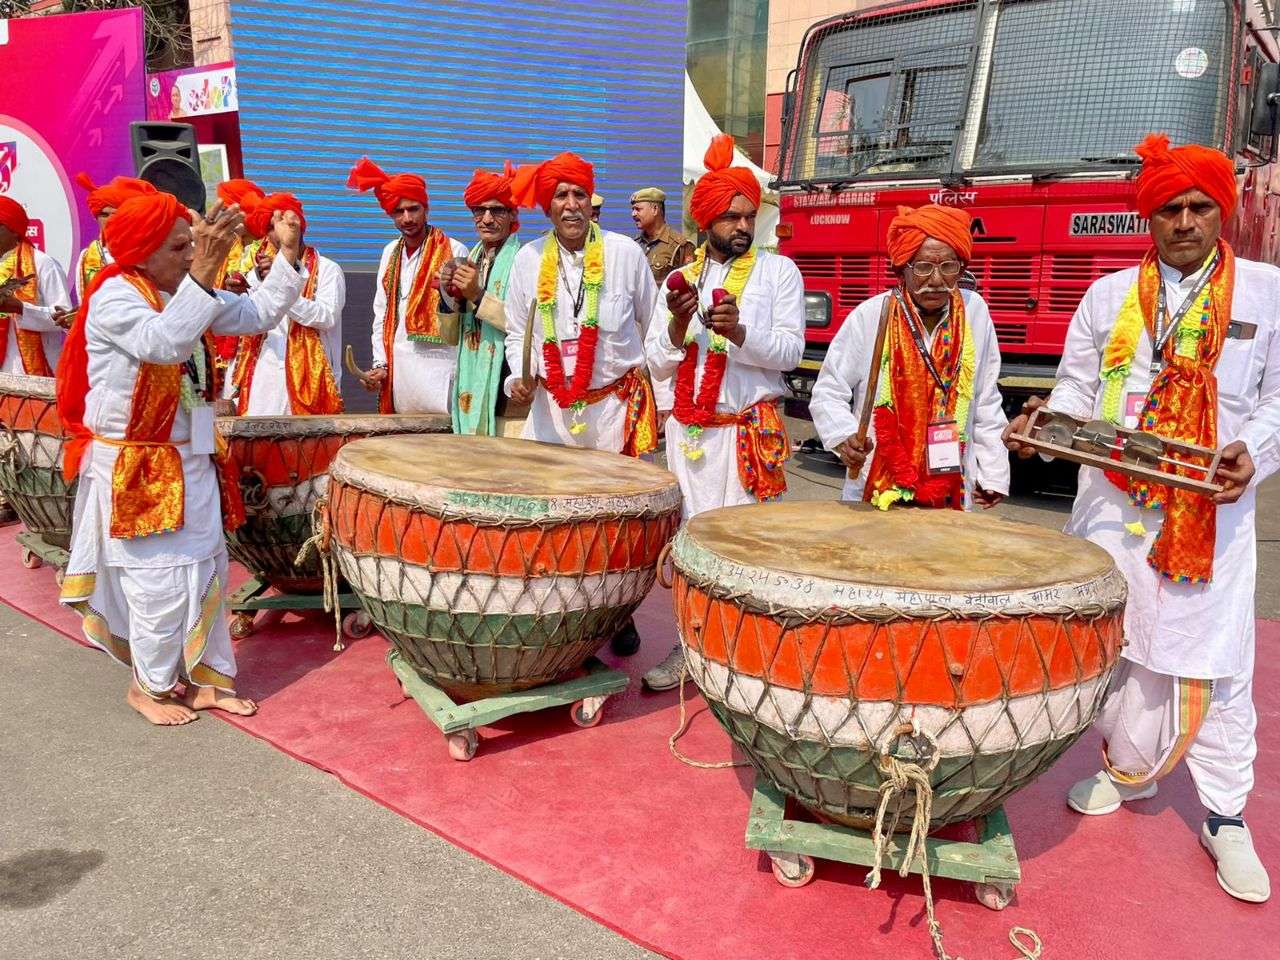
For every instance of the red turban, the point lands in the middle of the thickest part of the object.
(109, 196)
(534, 184)
(1167, 173)
(235, 191)
(140, 225)
(722, 182)
(911, 228)
(13, 216)
(258, 211)
(367, 175)
(490, 186)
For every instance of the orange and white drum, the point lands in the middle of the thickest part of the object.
(31, 458)
(820, 632)
(494, 564)
(283, 466)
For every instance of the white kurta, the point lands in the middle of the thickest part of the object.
(772, 311)
(841, 386)
(135, 579)
(52, 295)
(269, 394)
(1187, 630)
(422, 377)
(626, 304)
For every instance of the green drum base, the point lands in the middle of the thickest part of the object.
(585, 695)
(34, 545)
(254, 597)
(267, 547)
(43, 501)
(793, 845)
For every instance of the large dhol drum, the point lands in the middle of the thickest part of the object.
(283, 465)
(492, 564)
(31, 458)
(819, 633)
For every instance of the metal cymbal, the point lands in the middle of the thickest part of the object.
(1143, 448)
(1097, 437)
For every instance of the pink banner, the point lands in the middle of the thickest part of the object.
(57, 122)
(193, 92)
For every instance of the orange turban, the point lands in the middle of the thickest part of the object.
(722, 182)
(911, 228)
(13, 216)
(235, 191)
(534, 184)
(258, 211)
(110, 195)
(390, 190)
(490, 186)
(1167, 173)
(140, 225)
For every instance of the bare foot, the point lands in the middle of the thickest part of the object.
(211, 698)
(163, 713)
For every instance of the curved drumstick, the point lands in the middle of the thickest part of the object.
(873, 381)
(526, 375)
(349, 361)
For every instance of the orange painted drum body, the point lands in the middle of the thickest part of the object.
(283, 465)
(495, 564)
(817, 632)
(31, 458)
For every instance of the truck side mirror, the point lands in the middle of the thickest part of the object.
(1266, 93)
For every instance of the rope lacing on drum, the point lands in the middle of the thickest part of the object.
(902, 776)
(319, 542)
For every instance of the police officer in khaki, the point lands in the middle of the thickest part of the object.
(664, 248)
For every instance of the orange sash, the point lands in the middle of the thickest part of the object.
(421, 320)
(763, 447)
(640, 429)
(307, 374)
(30, 342)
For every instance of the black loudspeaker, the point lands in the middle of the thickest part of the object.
(167, 157)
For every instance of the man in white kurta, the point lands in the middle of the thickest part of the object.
(626, 303)
(745, 307)
(841, 389)
(38, 308)
(155, 602)
(269, 394)
(1184, 685)
(919, 382)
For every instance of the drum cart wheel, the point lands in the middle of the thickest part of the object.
(583, 695)
(793, 846)
(793, 869)
(993, 896)
(588, 712)
(356, 625)
(30, 560)
(242, 625)
(463, 746)
(36, 552)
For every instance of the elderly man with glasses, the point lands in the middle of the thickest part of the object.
(937, 418)
(476, 289)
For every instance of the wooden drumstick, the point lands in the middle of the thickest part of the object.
(873, 381)
(349, 360)
(526, 376)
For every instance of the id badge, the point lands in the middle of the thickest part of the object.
(942, 446)
(202, 429)
(569, 353)
(1133, 404)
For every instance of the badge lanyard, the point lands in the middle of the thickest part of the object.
(918, 337)
(1163, 330)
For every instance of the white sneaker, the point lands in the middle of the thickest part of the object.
(666, 675)
(1240, 872)
(1100, 795)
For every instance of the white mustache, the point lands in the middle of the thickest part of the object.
(934, 290)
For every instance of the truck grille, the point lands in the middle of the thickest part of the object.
(854, 277)
(1069, 276)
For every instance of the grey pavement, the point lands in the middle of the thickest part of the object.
(121, 841)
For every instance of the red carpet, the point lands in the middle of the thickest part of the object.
(607, 821)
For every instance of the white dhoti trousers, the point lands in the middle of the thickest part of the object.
(1148, 720)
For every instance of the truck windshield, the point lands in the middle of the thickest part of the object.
(1036, 85)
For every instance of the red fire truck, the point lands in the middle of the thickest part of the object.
(1024, 113)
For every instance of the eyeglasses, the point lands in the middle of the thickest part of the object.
(497, 212)
(923, 269)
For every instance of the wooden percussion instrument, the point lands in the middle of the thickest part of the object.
(820, 633)
(31, 458)
(283, 466)
(492, 564)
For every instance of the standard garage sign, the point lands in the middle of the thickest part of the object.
(1121, 224)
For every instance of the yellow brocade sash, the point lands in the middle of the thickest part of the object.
(30, 342)
(640, 427)
(1182, 404)
(308, 376)
(92, 261)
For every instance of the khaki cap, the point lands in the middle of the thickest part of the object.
(651, 194)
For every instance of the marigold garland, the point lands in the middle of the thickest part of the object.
(571, 395)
